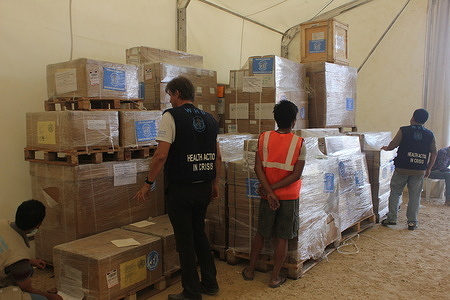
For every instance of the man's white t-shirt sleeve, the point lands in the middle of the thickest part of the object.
(166, 132)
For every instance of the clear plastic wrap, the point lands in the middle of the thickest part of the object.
(355, 199)
(257, 87)
(87, 199)
(84, 77)
(141, 54)
(155, 77)
(373, 141)
(332, 97)
(69, 130)
(93, 268)
(139, 128)
(318, 205)
(160, 226)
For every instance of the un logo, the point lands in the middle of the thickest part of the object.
(198, 123)
(417, 135)
(152, 260)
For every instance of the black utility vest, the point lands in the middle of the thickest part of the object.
(414, 149)
(192, 155)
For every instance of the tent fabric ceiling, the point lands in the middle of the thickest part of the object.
(279, 14)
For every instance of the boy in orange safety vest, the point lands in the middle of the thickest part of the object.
(279, 165)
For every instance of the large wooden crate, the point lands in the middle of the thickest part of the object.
(95, 268)
(324, 41)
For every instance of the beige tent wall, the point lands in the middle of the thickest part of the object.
(36, 33)
(226, 41)
(390, 84)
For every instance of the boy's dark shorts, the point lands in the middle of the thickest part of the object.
(281, 223)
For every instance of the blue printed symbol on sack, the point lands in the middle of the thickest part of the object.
(359, 178)
(114, 79)
(152, 260)
(263, 65)
(302, 113)
(145, 130)
(349, 104)
(328, 183)
(198, 123)
(252, 188)
(317, 46)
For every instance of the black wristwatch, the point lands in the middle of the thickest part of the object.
(148, 182)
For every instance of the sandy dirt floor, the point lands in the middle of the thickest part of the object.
(381, 263)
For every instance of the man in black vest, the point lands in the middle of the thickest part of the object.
(415, 156)
(189, 152)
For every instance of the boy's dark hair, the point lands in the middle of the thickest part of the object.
(182, 85)
(30, 214)
(285, 112)
(420, 116)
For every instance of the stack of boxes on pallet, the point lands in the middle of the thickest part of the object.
(89, 155)
(256, 87)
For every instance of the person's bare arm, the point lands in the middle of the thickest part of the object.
(268, 191)
(293, 177)
(394, 143)
(26, 286)
(158, 160)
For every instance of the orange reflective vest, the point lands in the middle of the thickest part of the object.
(279, 153)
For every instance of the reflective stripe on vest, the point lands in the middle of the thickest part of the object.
(287, 165)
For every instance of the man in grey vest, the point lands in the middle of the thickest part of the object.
(415, 156)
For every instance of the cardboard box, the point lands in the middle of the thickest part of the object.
(160, 226)
(140, 55)
(88, 199)
(332, 100)
(139, 128)
(95, 268)
(92, 78)
(324, 41)
(68, 130)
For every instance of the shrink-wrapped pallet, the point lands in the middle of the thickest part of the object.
(139, 128)
(88, 199)
(94, 268)
(355, 199)
(332, 96)
(69, 130)
(155, 77)
(254, 90)
(92, 79)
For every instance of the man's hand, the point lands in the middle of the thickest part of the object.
(274, 203)
(38, 263)
(142, 194)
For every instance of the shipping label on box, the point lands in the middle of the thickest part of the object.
(252, 84)
(66, 81)
(264, 111)
(239, 111)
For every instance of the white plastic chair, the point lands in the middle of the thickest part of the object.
(429, 184)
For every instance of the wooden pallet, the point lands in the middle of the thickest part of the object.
(294, 270)
(220, 252)
(85, 103)
(358, 227)
(75, 157)
(138, 152)
(172, 277)
(146, 291)
(347, 129)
